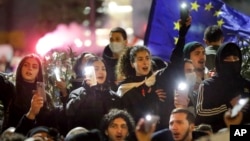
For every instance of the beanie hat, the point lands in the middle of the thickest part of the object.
(54, 133)
(189, 47)
(38, 129)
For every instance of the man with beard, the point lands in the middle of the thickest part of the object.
(181, 128)
(181, 124)
(195, 51)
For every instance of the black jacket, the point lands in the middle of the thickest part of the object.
(110, 66)
(6, 95)
(166, 79)
(87, 105)
(216, 93)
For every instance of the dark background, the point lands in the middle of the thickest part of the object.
(23, 22)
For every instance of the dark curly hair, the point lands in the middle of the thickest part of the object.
(123, 67)
(114, 114)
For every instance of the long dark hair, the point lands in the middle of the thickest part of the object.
(19, 77)
(23, 97)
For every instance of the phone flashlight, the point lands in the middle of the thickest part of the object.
(57, 73)
(183, 5)
(182, 86)
(184, 12)
(148, 117)
(149, 121)
(89, 72)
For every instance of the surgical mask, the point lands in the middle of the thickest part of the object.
(191, 78)
(116, 47)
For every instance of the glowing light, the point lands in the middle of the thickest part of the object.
(87, 43)
(78, 43)
(148, 117)
(86, 11)
(46, 44)
(183, 5)
(102, 42)
(87, 33)
(113, 7)
(182, 86)
(129, 31)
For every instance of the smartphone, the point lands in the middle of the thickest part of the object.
(90, 75)
(40, 87)
(149, 120)
(184, 12)
(182, 89)
(238, 107)
(57, 73)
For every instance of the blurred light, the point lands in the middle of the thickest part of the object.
(102, 42)
(100, 10)
(183, 5)
(98, 23)
(182, 86)
(87, 32)
(47, 43)
(86, 10)
(87, 43)
(85, 23)
(102, 31)
(148, 117)
(129, 31)
(113, 7)
(78, 43)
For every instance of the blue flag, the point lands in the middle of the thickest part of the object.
(162, 30)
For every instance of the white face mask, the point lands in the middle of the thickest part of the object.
(191, 78)
(116, 47)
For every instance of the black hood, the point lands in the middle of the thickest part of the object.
(107, 53)
(225, 50)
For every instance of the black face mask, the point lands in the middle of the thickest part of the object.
(230, 68)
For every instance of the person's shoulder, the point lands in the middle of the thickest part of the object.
(77, 92)
(162, 135)
(107, 53)
(5, 83)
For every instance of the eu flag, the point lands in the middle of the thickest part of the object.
(162, 30)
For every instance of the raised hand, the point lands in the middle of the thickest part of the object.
(36, 104)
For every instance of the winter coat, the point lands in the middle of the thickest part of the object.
(215, 93)
(138, 104)
(87, 105)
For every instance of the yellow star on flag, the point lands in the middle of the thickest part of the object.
(176, 26)
(195, 6)
(220, 22)
(175, 40)
(209, 6)
(217, 13)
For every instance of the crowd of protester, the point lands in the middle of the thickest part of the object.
(130, 94)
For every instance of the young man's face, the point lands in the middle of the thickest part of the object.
(117, 130)
(198, 58)
(179, 126)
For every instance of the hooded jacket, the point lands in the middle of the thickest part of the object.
(111, 64)
(87, 105)
(216, 93)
